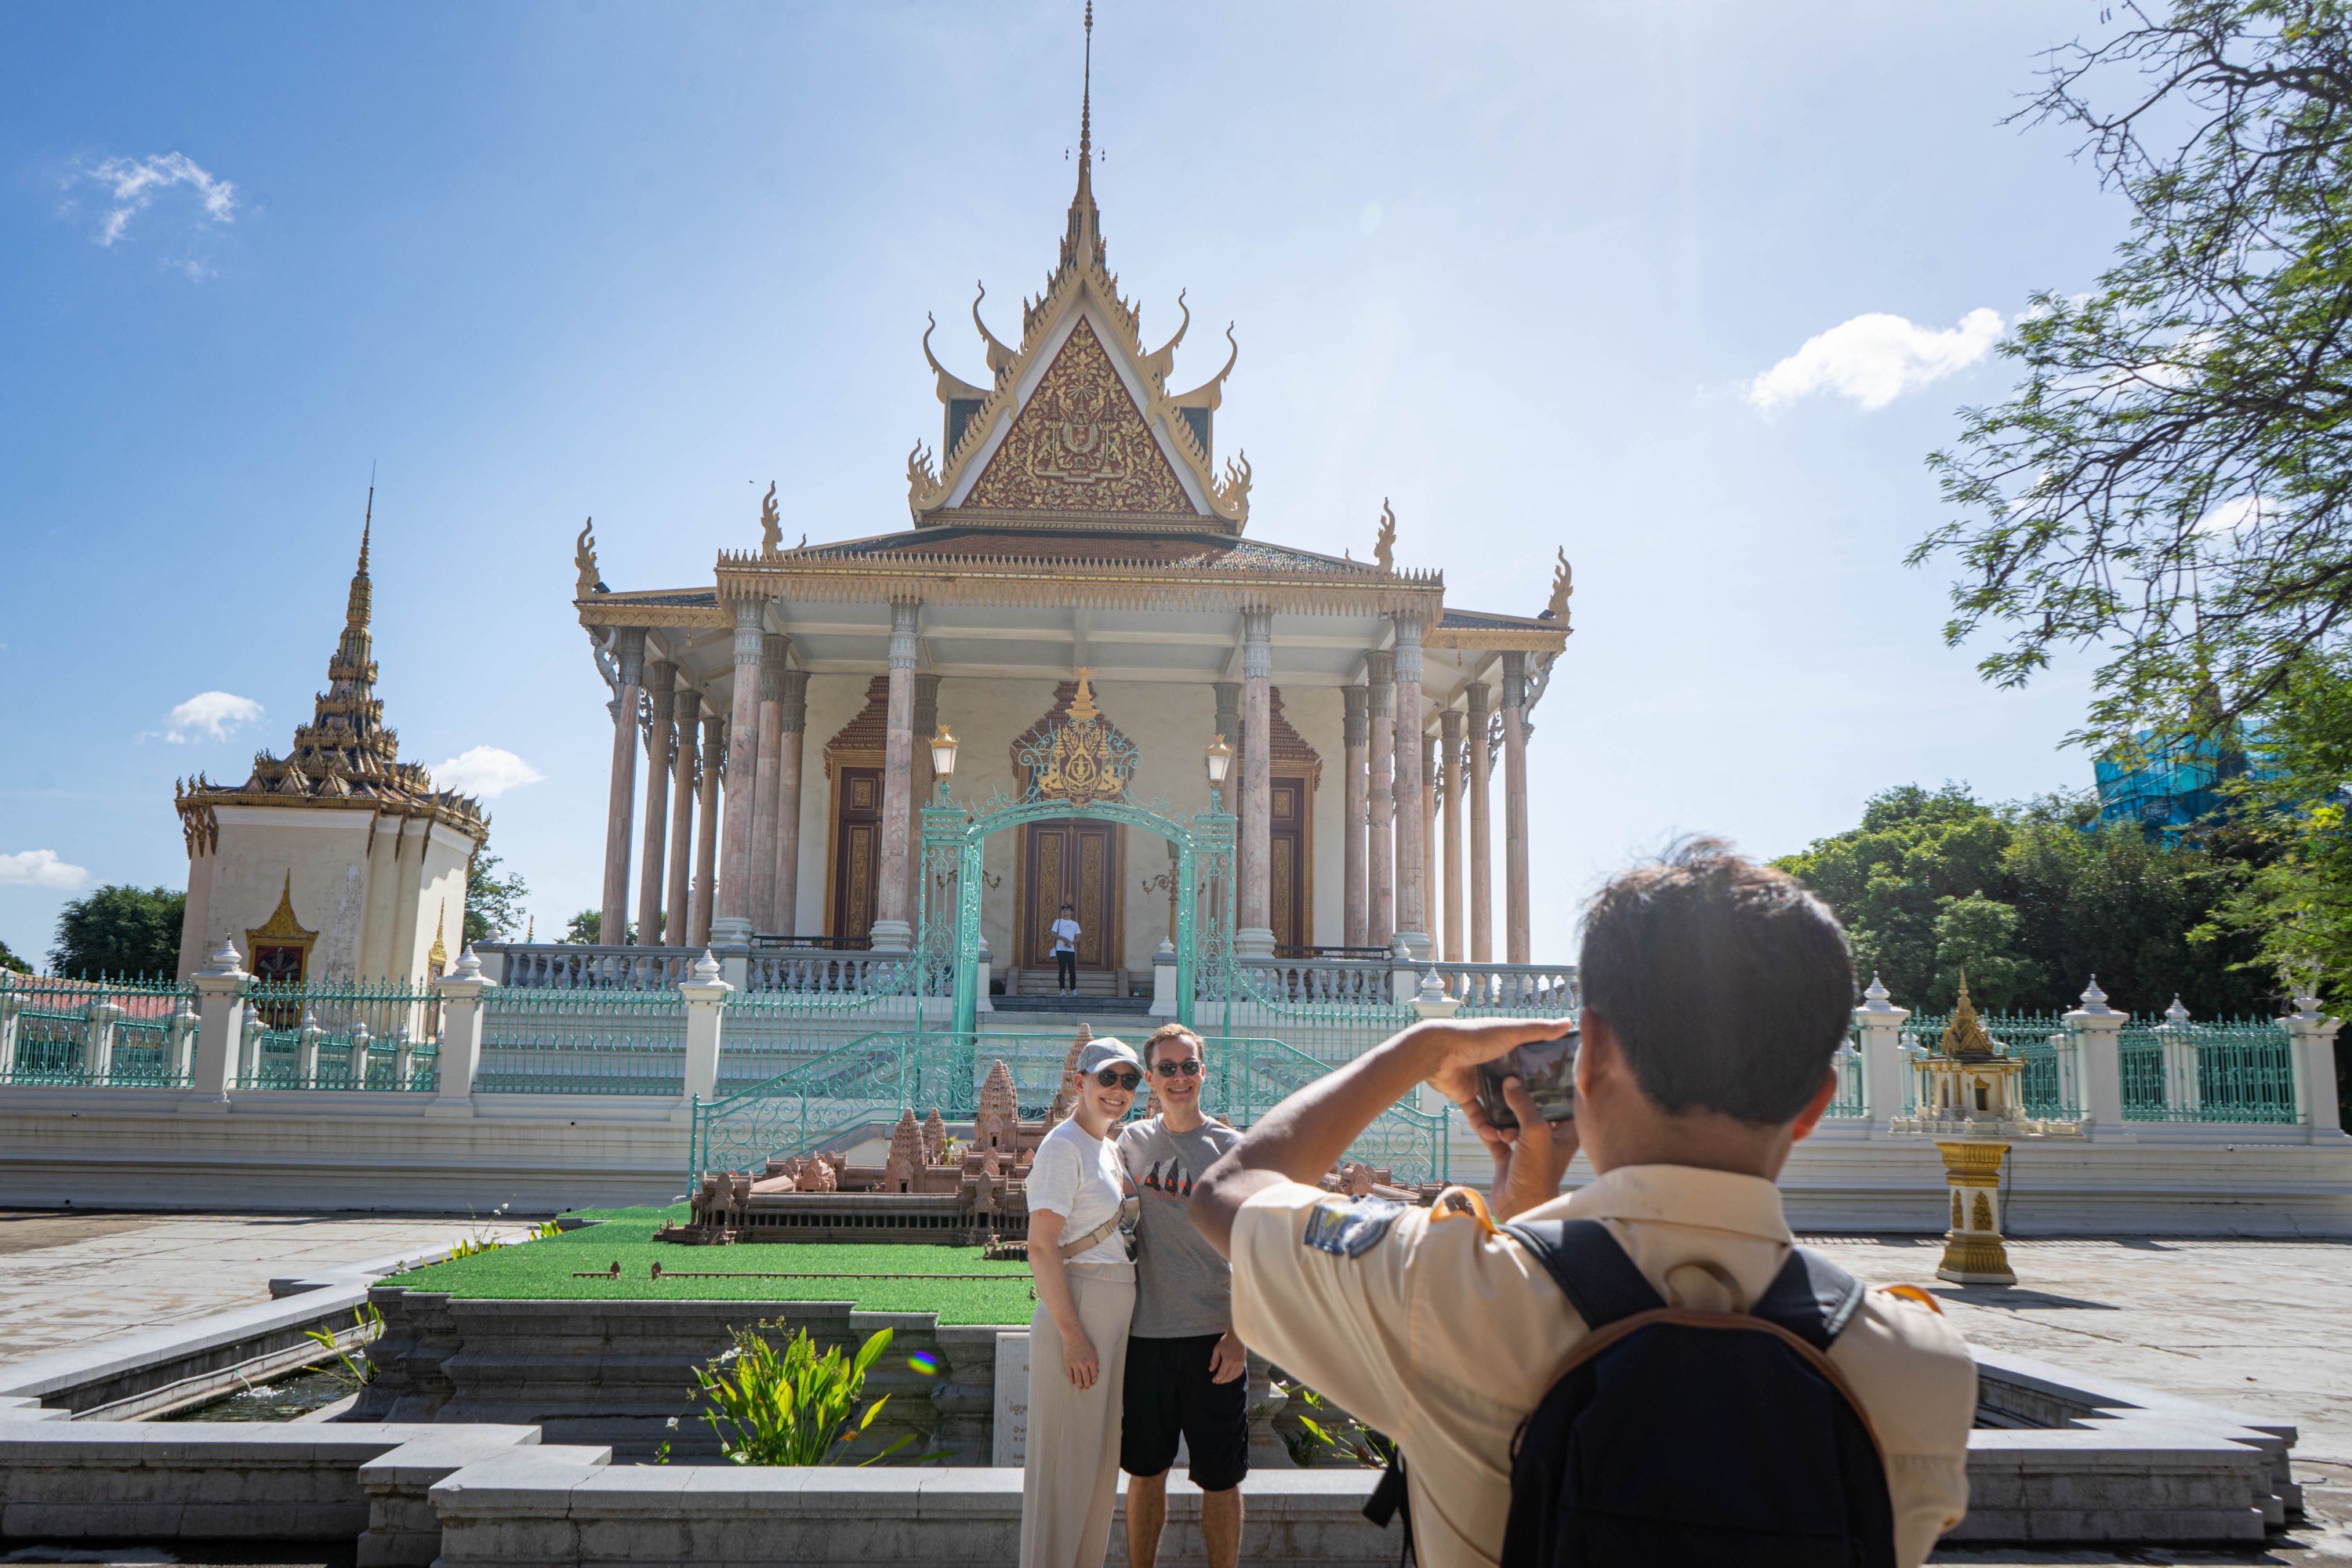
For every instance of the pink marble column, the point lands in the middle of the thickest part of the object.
(1517, 948)
(1379, 780)
(1355, 731)
(761, 911)
(706, 832)
(926, 725)
(792, 722)
(892, 931)
(1411, 866)
(629, 654)
(1450, 770)
(734, 922)
(1254, 934)
(661, 692)
(687, 768)
(1481, 852)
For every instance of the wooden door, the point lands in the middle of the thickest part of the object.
(1075, 863)
(1292, 920)
(856, 849)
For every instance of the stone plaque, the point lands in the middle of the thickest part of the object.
(1012, 1398)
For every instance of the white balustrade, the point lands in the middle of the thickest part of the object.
(1531, 988)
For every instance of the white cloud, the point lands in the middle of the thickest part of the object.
(486, 771)
(211, 716)
(2239, 514)
(1873, 359)
(40, 869)
(132, 185)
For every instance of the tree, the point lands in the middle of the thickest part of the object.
(2172, 483)
(493, 904)
(10, 961)
(120, 931)
(2029, 900)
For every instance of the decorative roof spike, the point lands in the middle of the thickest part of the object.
(771, 524)
(1563, 585)
(1083, 245)
(1384, 546)
(357, 609)
(1875, 993)
(584, 556)
(1965, 1035)
(2176, 1015)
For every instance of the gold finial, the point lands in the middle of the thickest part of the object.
(356, 610)
(1384, 547)
(1082, 704)
(1086, 98)
(1965, 1035)
(772, 525)
(584, 556)
(1562, 586)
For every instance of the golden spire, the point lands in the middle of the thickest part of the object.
(1964, 1035)
(356, 611)
(1083, 243)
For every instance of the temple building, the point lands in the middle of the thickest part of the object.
(1075, 546)
(338, 860)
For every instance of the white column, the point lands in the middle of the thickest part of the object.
(1255, 934)
(1355, 809)
(1482, 843)
(1411, 844)
(1516, 946)
(220, 1028)
(733, 924)
(2314, 1033)
(629, 653)
(461, 1036)
(686, 765)
(1883, 1070)
(706, 833)
(2096, 1028)
(892, 930)
(705, 1000)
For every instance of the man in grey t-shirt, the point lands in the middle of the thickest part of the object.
(1187, 1375)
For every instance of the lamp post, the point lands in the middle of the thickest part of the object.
(1221, 760)
(943, 760)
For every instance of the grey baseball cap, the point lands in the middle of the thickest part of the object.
(1100, 1054)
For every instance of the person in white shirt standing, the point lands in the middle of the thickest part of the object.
(1065, 954)
(1078, 1336)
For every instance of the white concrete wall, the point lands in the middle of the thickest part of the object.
(374, 907)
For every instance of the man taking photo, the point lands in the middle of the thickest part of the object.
(1186, 1371)
(1716, 992)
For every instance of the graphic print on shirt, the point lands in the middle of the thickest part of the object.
(1168, 1176)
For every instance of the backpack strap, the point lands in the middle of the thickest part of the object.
(1811, 1298)
(1590, 1269)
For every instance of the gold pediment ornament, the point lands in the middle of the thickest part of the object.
(437, 955)
(1081, 757)
(282, 926)
(1080, 444)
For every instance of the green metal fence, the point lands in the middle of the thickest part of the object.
(2233, 1071)
(800, 1005)
(96, 1033)
(2049, 1085)
(582, 1042)
(1848, 1102)
(341, 1035)
(868, 1082)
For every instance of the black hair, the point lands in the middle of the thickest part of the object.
(1726, 984)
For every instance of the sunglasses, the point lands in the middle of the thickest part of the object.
(1190, 1068)
(1112, 1078)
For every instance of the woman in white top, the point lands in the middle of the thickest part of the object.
(1078, 1336)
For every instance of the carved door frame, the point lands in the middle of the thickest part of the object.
(1025, 955)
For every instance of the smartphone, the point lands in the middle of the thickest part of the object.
(1549, 1070)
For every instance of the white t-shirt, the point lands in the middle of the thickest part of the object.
(1077, 1177)
(1066, 935)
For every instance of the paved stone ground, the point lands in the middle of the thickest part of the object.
(2264, 1326)
(70, 1279)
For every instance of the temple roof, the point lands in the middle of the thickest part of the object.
(346, 757)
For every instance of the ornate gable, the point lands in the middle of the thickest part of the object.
(1080, 444)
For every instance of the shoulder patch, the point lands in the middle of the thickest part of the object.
(1350, 1229)
(1913, 1293)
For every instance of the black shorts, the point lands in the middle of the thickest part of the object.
(1168, 1394)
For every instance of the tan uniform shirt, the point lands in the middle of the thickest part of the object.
(1445, 1333)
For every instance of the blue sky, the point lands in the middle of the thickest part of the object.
(1551, 274)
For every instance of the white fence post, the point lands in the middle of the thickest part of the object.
(12, 1003)
(98, 1038)
(2098, 1054)
(2314, 1053)
(2180, 1089)
(461, 1035)
(179, 1042)
(705, 999)
(1884, 1072)
(984, 965)
(1163, 981)
(1404, 979)
(220, 1028)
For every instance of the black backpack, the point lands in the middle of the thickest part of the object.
(1712, 1438)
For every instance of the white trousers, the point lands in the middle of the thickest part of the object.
(1069, 1480)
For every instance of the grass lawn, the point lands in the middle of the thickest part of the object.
(545, 1270)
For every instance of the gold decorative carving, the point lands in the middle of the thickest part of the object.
(584, 556)
(772, 525)
(1563, 585)
(1080, 444)
(438, 956)
(1081, 763)
(1384, 546)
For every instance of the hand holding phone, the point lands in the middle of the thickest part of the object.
(1547, 1068)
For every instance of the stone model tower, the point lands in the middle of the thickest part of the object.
(996, 1122)
(337, 860)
